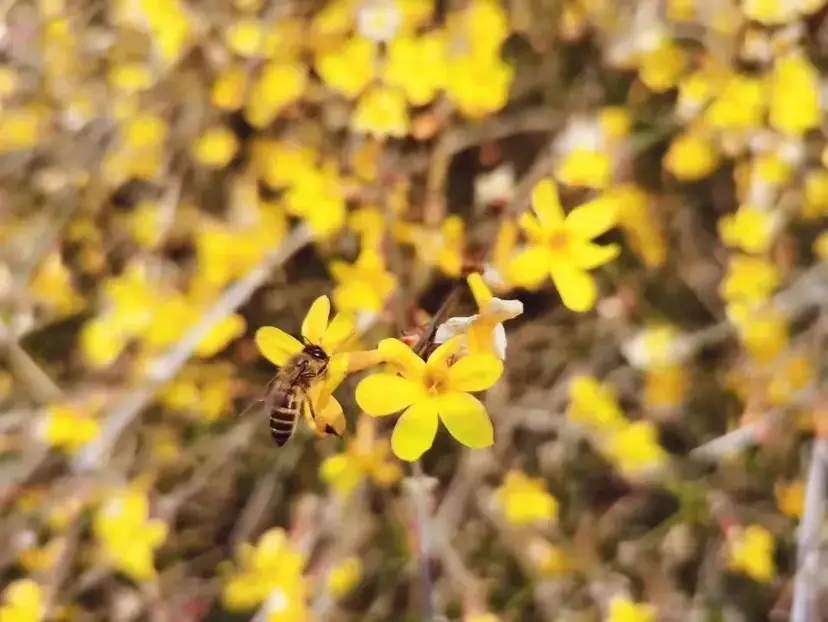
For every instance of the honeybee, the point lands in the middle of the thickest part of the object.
(288, 393)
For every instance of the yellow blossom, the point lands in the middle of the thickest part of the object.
(363, 458)
(130, 78)
(525, 501)
(763, 332)
(381, 112)
(344, 577)
(594, 405)
(750, 278)
(21, 128)
(795, 95)
(478, 86)
(229, 88)
(791, 378)
(281, 164)
(661, 67)
(245, 37)
(820, 247)
(363, 286)
(640, 223)
(691, 156)
(790, 498)
(23, 601)
(437, 390)
(417, 66)
(350, 68)
(665, 387)
(740, 104)
(815, 194)
(443, 247)
(561, 246)
(216, 147)
(52, 286)
(586, 168)
(126, 535)
(635, 448)
(273, 564)
(279, 85)
(318, 198)
(751, 551)
(549, 560)
(625, 610)
(777, 12)
(749, 229)
(206, 390)
(496, 274)
(482, 27)
(69, 427)
(482, 333)
(41, 558)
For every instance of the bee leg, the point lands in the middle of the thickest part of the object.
(326, 430)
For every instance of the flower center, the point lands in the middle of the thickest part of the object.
(434, 382)
(558, 241)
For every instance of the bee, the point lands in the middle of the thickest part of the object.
(288, 392)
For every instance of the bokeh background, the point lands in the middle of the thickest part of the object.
(648, 178)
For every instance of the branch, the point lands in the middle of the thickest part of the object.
(167, 365)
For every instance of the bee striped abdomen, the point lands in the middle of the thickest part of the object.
(283, 415)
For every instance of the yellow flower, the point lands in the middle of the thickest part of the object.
(820, 247)
(751, 551)
(381, 112)
(127, 537)
(369, 223)
(21, 128)
(549, 560)
(691, 156)
(656, 346)
(790, 498)
(586, 167)
(665, 387)
(69, 427)
(245, 37)
(230, 88)
(749, 229)
(478, 86)
(750, 279)
(41, 558)
(24, 601)
(482, 333)
(206, 390)
(772, 12)
(279, 85)
(625, 610)
(418, 66)
(363, 286)
(318, 198)
(815, 199)
(437, 390)
(350, 68)
(795, 95)
(496, 274)
(661, 67)
(790, 378)
(635, 448)
(640, 224)
(740, 104)
(593, 404)
(52, 286)
(273, 564)
(130, 78)
(344, 577)
(216, 147)
(764, 332)
(482, 27)
(525, 501)
(361, 459)
(443, 247)
(281, 164)
(561, 246)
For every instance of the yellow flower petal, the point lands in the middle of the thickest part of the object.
(577, 288)
(529, 267)
(592, 219)
(532, 227)
(341, 328)
(438, 360)
(397, 353)
(466, 419)
(316, 321)
(481, 292)
(546, 204)
(475, 372)
(383, 394)
(415, 431)
(588, 255)
(276, 345)
(328, 413)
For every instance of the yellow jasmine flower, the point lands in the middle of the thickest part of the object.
(665, 387)
(245, 37)
(594, 405)
(764, 332)
(282, 163)
(318, 198)
(640, 224)
(750, 278)
(815, 194)
(549, 560)
(656, 346)
(369, 223)
(130, 78)
(52, 286)
(478, 86)
(381, 112)
(749, 229)
(793, 376)
(69, 427)
(741, 104)
(361, 460)
(691, 156)
(482, 27)
(794, 95)
(344, 577)
(126, 535)
(230, 88)
(41, 559)
(437, 390)
(23, 601)
(206, 390)
(21, 128)
(216, 147)
(661, 67)
(790, 498)
(751, 551)
(585, 167)
(443, 247)
(279, 85)
(525, 500)
(378, 20)
(777, 12)
(635, 448)
(482, 333)
(561, 246)
(363, 286)
(622, 609)
(271, 569)
(496, 274)
(350, 68)
(418, 66)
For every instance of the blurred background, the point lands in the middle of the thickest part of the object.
(626, 199)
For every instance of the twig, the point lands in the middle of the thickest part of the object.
(807, 549)
(166, 367)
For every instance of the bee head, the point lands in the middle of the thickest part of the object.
(316, 352)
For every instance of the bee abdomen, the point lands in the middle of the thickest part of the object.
(283, 417)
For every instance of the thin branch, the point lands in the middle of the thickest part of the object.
(167, 366)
